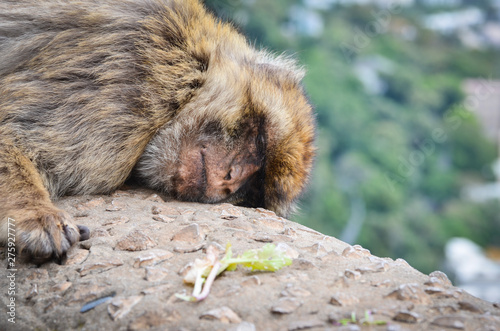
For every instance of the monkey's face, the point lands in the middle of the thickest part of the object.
(207, 164)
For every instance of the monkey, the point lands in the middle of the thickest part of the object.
(94, 93)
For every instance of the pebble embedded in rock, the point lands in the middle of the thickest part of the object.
(116, 205)
(343, 299)
(154, 197)
(286, 305)
(243, 326)
(99, 266)
(463, 305)
(442, 277)
(119, 306)
(191, 234)
(163, 218)
(271, 223)
(355, 252)
(136, 240)
(61, 287)
(152, 257)
(406, 317)
(318, 249)
(76, 256)
(239, 224)
(189, 249)
(222, 314)
(116, 220)
(303, 325)
(294, 291)
(452, 322)
(352, 274)
(410, 292)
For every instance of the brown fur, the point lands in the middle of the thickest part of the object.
(92, 92)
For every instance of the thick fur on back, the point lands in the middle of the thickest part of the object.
(85, 86)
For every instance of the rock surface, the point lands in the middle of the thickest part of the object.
(126, 275)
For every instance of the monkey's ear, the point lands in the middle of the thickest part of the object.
(282, 64)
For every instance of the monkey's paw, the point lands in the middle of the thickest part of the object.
(46, 233)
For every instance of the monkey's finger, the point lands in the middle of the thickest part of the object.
(84, 232)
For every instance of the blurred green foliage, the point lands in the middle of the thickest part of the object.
(405, 151)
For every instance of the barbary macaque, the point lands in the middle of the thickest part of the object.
(93, 93)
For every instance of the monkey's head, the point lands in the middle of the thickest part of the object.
(245, 135)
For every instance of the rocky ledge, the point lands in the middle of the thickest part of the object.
(126, 275)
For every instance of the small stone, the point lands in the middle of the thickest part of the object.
(468, 306)
(155, 274)
(191, 234)
(100, 266)
(303, 325)
(188, 249)
(76, 256)
(286, 305)
(165, 210)
(318, 249)
(163, 218)
(352, 274)
(152, 257)
(227, 211)
(61, 287)
(94, 203)
(262, 237)
(291, 232)
(251, 281)
(222, 314)
(442, 277)
(295, 291)
(119, 306)
(271, 223)
(410, 292)
(265, 212)
(406, 317)
(355, 252)
(149, 319)
(373, 268)
(433, 290)
(120, 193)
(239, 224)
(136, 240)
(343, 299)
(116, 221)
(384, 283)
(116, 205)
(303, 264)
(154, 197)
(243, 326)
(452, 322)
